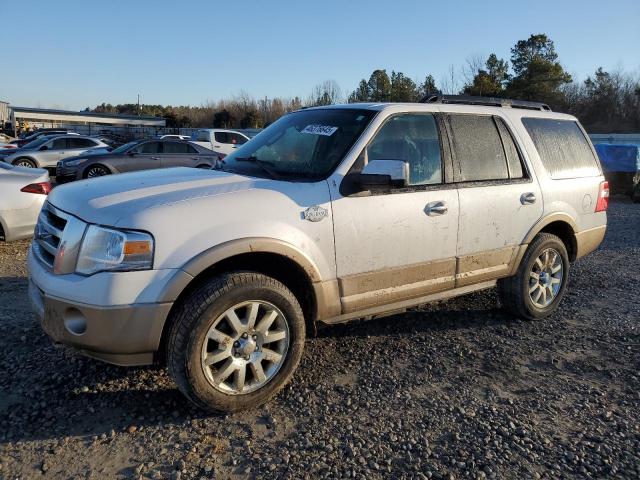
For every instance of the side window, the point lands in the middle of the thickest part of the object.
(191, 149)
(477, 148)
(202, 136)
(149, 147)
(237, 139)
(563, 148)
(58, 144)
(175, 147)
(222, 137)
(514, 161)
(81, 143)
(411, 137)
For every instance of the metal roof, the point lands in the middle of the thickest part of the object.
(82, 114)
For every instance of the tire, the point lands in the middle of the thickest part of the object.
(95, 171)
(25, 162)
(514, 291)
(203, 315)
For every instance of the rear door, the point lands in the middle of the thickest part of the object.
(55, 151)
(78, 146)
(499, 198)
(180, 154)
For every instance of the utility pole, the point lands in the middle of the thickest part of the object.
(138, 104)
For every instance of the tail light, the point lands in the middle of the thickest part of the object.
(42, 188)
(603, 197)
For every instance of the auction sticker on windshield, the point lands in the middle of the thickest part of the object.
(325, 130)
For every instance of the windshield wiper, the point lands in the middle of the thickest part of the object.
(263, 164)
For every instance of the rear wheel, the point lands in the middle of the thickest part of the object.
(235, 341)
(96, 171)
(537, 288)
(25, 162)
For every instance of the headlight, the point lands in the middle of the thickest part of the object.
(106, 249)
(74, 163)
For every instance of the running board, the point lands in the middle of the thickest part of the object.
(402, 306)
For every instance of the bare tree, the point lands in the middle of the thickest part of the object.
(325, 93)
(450, 82)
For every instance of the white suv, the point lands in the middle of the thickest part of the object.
(330, 214)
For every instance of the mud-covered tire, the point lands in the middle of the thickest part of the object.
(514, 291)
(195, 315)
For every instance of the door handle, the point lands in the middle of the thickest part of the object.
(528, 198)
(154, 158)
(436, 208)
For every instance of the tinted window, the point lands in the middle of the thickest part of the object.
(202, 136)
(514, 161)
(81, 143)
(149, 147)
(477, 148)
(58, 144)
(563, 148)
(222, 137)
(236, 139)
(414, 139)
(176, 147)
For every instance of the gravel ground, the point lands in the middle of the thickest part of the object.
(455, 390)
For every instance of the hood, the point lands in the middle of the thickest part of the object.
(108, 199)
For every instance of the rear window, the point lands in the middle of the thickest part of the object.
(563, 148)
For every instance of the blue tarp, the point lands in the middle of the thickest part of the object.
(619, 158)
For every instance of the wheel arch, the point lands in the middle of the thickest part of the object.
(560, 225)
(271, 257)
(96, 164)
(27, 157)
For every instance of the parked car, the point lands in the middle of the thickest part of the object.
(46, 152)
(140, 155)
(174, 137)
(330, 214)
(7, 146)
(20, 142)
(22, 193)
(220, 141)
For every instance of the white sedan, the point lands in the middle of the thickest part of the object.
(22, 193)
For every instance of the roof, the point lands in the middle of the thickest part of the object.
(83, 114)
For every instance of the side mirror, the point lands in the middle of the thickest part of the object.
(43, 148)
(379, 174)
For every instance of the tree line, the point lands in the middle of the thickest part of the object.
(606, 102)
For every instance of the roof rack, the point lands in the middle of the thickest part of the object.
(486, 101)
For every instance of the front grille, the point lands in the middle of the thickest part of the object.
(48, 234)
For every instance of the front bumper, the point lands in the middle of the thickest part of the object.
(123, 335)
(115, 317)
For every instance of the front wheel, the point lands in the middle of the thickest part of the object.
(235, 341)
(537, 288)
(96, 171)
(25, 162)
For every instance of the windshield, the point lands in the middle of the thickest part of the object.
(35, 143)
(304, 144)
(125, 147)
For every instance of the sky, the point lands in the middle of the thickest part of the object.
(77, 54)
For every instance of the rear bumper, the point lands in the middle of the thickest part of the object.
(588, 240)
(123, 335)
(18, 224)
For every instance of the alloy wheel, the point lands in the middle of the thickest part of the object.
(545, 278)
(245, 347)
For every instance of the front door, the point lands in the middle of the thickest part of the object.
(145, 156)
(399, 244)
(499, 199)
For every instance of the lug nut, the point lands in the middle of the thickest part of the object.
(255, 337)
(244, 335)
(247, 357)
(236, 344)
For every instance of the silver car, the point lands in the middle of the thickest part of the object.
(46, 152)
(22, 193)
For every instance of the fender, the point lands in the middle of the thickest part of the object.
(544, 221)
(213, 255)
